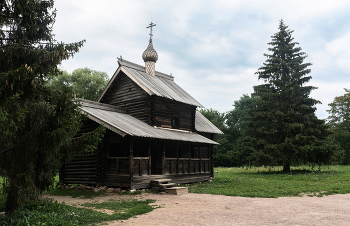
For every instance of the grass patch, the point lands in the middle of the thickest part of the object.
(272, 183)
(138, 192)
(127, 208)
(83, 194)
(53, 213)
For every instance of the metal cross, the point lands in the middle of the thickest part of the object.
(150, 34)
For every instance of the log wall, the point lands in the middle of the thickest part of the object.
(84, 169)
(164, 110)
(80, 170)
(127, 94)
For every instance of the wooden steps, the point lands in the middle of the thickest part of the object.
(161, 184)
(168, 185)
(164, 185)
(177, 190)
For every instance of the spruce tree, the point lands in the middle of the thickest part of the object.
(282, 128)
(38, 125)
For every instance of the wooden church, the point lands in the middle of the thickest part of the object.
(154, 131)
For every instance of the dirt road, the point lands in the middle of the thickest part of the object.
(202, 209)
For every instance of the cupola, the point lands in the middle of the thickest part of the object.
(150, 55)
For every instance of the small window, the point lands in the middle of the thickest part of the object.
(175, 122)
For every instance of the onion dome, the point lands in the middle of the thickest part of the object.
(150, 53)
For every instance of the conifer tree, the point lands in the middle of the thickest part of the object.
(282, 128)
(38, 125)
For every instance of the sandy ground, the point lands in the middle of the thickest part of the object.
(201, 209)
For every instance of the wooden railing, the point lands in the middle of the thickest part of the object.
(120, 166)
(178, 166)
(141, 166)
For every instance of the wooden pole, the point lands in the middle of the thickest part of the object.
(131, 157)
(211, 157)
(177, 156)
(163, 159)
(200, 159)
(189, 158)
(149, 156)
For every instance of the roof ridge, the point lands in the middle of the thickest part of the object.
(132, 65)
(163, 75)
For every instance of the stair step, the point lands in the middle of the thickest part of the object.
(161, 181)
(177, 190)
(167, 185)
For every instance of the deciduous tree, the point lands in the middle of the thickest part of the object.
(85, 82)
(222, 151)
(228, 154)
(339, 120)
(235, 121)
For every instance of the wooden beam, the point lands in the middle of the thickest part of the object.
(131, 157)
(189, 158)
(163, 159)
(149, 156)
(177, 156)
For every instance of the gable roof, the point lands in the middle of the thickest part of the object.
(161, 84)
(115, 119)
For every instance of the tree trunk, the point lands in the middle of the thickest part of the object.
(286, 167)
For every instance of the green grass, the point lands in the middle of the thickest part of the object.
(255, 182)
(261, 182)
(128, 208)
(75, 193)
(53, 213)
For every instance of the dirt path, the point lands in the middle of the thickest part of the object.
(201, 209)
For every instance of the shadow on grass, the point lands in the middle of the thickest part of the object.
(292, 172)
(75, 193)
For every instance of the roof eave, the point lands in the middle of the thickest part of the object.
(101, 122)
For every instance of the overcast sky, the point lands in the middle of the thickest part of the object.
(212, 48)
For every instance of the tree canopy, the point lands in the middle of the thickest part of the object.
(282, 127)
(339, 121)
(38, 124)
(222, 151)
(85, 82)
(231, 124)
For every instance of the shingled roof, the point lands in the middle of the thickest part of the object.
(115, 119)
(161, 84)
(202, 124)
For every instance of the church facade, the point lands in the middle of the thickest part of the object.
(154, 131)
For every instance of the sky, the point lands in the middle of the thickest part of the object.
(212, 48)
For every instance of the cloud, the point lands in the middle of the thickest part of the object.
(212, 48)
(326, 93)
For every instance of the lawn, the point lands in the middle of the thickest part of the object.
(53, 213)
(272, 183)
(253, 182)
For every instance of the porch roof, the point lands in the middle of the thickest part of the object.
(116, 120)
(204, 125)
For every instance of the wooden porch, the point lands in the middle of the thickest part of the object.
(133, 163)
(136, 173)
